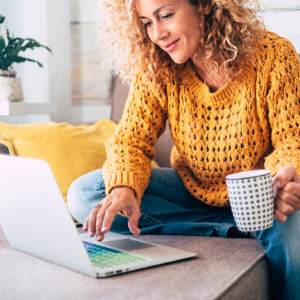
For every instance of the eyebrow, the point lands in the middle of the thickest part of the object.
(157, 10)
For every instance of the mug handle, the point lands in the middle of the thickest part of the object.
(273, 179)
(274, 189)
(274, 192)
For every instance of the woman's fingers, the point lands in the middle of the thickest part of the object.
(134, 222)
(286, 202)
(289, 195)
(286, 175)
(285, 205)
(131, 211)
(133, 214)
(86, 224)
(292, 188)
(105, 219)
(287, 182)
(99, 222)
(284, 208)
(110, 214)
(280, 216)
(92, 219)
(103, 214)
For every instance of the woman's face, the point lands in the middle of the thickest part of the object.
(174, 25)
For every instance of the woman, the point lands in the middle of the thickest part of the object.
(230, 90)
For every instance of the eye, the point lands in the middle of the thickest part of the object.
(166, 17)
(146, 25)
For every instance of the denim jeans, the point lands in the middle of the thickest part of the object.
(168, 208)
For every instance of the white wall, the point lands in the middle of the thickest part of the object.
(283, 17)
(58, 33)
(84, 11)
(91, 83)
(280, 4)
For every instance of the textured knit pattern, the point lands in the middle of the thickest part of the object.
(251, 123)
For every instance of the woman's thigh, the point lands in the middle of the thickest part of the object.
(166, 207)
(85, 193)
(282, 244)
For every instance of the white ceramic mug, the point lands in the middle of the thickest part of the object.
(251, 199)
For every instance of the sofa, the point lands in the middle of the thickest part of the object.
(224, 269)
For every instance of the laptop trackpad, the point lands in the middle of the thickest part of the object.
(128, 244)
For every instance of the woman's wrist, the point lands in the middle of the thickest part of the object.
(123, 189)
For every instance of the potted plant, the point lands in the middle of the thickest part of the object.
(10, 49)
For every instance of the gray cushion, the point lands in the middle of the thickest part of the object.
(223, 269)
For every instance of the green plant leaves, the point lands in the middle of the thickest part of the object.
(2, 58)
(2, 19)
(20, 59)
(2, 43)
(31, 44)
(9, 53)
(8, 35)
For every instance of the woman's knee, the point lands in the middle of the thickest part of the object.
(84, 193)
(283, 239)
(291, 239)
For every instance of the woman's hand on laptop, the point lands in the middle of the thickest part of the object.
(102, 216)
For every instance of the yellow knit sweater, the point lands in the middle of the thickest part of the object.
(253, 122)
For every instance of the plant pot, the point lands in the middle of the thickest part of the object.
(10, 89)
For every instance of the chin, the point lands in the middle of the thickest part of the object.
(179, 60)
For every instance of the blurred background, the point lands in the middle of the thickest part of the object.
(73, 86)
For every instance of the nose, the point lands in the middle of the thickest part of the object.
(159, 32)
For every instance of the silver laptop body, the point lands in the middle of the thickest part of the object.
(35, 220)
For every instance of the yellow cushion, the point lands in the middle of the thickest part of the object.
(71, 151)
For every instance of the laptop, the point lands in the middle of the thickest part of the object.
(36, 220)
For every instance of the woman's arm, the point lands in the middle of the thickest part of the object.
(129, 153)
(284, 119)
(131, 149)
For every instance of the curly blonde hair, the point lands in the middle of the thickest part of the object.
(231, 30)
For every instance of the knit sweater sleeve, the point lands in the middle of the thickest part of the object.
(283, 102)
(131, 149)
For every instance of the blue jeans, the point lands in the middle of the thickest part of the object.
(168, 208)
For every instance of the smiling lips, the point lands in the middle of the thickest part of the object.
(169, 47)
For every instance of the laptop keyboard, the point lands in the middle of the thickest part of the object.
(103, 257)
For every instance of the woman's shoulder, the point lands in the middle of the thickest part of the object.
(275, 45)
